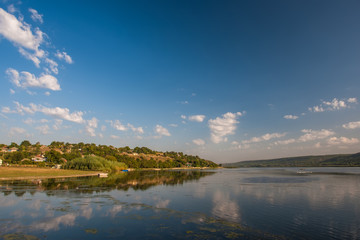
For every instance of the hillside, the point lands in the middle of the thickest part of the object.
(337, 160)
(60, 153)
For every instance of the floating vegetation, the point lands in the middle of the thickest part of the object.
(18, 236)
(91, 230)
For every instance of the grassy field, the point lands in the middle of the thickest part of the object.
(29, 173)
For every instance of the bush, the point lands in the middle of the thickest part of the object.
(94, 163)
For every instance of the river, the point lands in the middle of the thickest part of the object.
(254, 203)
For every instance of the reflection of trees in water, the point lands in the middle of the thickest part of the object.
(137, 180)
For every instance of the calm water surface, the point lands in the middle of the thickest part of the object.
(214, 204)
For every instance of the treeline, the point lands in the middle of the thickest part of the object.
(63, 152)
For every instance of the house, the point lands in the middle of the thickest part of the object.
(39, 158)
(1, 161)
(4, 149)
(13, 149)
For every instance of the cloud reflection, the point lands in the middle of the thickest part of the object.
(224, 207)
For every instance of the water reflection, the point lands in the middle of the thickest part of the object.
(137, 180)
(222, 204)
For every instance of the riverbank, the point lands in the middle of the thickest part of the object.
(18, 173)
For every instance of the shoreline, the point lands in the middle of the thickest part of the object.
(25, 173)
(47, 177)
(48, 173)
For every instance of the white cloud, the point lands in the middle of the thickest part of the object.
(162, 131)
(333, 105)
(57, 112)
(62, 113)
(17, 131)
(183, 116)
(173, 125)
(221, 127)
(20, 34)
(92, 124)
(311, 135)
(351, 125)
(285, 142)
(121, 127)
(53, 65)
(58, 124)
(12, 91)
(352, 100)
(118, 126)
(197, 118)
(198, 142)
(114, 137)
(64, 56)
(26, 79)
(7, 110)
(44, 129)
(237, 145)
(265, 137)
(11, 8)
(342, 141)
(292, 117)
(35, 16)
(136, 129)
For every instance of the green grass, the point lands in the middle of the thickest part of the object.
(18, 172)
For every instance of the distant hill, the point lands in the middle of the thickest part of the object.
(337, 160)
(61, 152)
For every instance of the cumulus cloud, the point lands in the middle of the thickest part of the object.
(198, 142)
(292, 117)
(311, 135)
(162, 131)
(62, 113)
(342, 141)
(64, 56)
(26, 79)
(352, 125)
(21, 35)
(221, 127)
(121, 127)
(35, 16)
(197, 118)
(118, 125)
(333, 105)
(56, 112)
(265, 137)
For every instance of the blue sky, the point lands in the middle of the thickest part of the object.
(225, 80)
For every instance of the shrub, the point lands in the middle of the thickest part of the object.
(94, 163)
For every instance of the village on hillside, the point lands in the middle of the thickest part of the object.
(58, 153)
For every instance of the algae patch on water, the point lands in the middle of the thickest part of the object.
(91, 230)
(18, 236)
